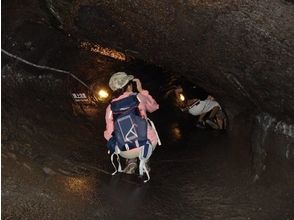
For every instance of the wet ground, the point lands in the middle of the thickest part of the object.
(55, 166)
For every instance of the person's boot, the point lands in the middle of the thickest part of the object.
(200, 124)
(131, 166)
(211, 123)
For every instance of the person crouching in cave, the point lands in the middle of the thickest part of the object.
(123, 95)
(199, 103)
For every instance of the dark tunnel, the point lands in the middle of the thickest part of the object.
(57, 57)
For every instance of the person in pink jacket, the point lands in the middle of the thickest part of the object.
(122, 86)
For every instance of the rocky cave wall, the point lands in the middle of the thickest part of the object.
(239, 50)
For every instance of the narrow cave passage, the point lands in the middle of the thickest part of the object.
(57, 161)
(54, 158)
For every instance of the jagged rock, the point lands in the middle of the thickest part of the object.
(49, 171)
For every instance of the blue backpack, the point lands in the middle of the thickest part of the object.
(130, 131)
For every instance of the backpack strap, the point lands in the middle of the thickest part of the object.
(144, 155)
(146, 152)
(119, 169)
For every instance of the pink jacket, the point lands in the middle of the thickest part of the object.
(147, 103)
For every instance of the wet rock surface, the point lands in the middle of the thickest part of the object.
(272, 140)
(200, 181)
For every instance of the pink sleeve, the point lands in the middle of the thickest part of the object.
(109, 123)
(147, 100)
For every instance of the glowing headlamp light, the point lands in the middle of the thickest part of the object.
(182, 97)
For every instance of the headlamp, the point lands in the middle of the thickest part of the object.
(182, 97)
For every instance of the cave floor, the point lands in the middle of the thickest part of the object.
(59, 169)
